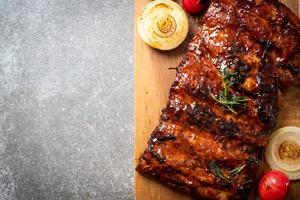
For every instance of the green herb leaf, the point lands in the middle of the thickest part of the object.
(235, 172)
(225, 97)
(231, 175)
(216, 170)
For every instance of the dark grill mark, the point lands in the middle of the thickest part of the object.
(228, 128)
(200, 115)
(267, 109)
(155, 154)
(292, 68)
(165, 137)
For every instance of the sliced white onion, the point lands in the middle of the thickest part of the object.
(163, 24)
(283, 151)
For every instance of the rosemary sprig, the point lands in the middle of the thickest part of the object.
(230, 176)
(228, 75)
(229, 100)
(235, 172)
(216, 170)
(225, 97)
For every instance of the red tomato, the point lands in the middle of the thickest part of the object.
(274, 185)
(194, 6)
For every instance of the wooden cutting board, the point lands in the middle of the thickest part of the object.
(152, 82)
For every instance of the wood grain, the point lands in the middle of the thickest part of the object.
(152, 82)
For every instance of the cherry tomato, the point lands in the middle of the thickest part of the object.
(194, 6)
(274, 185)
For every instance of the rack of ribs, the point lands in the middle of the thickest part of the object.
(224, 101)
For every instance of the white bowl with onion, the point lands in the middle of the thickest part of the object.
(283, 151)
(162, 24)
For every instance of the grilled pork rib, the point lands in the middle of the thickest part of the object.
(225, 99)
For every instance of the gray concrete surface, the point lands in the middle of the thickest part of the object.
(66, 99)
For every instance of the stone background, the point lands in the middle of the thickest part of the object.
(66, 99)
